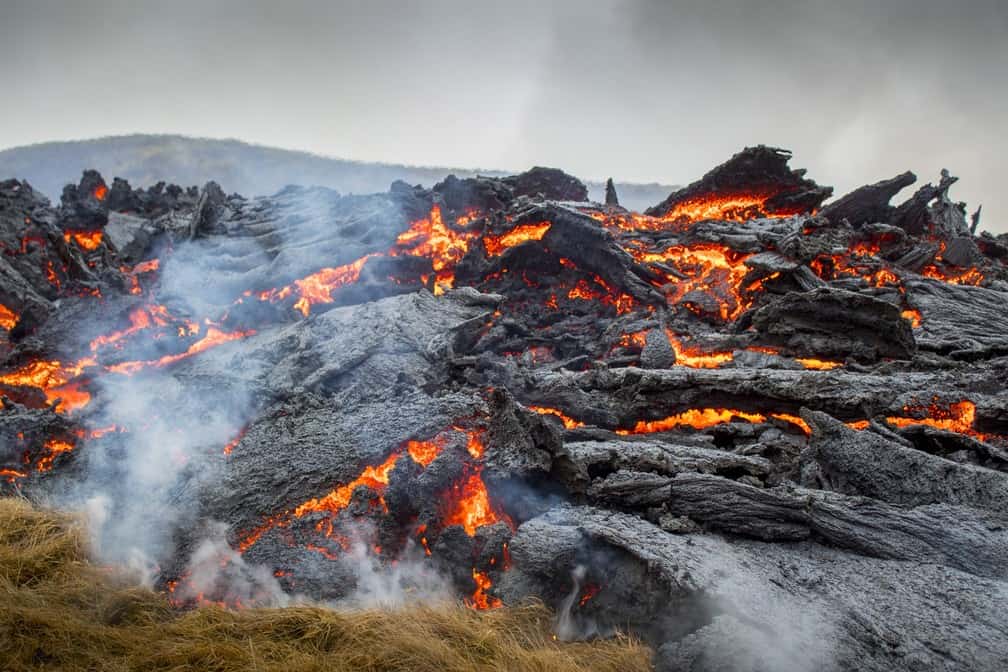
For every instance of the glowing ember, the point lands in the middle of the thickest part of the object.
(697, 418)
(100, 192)
(51, 276)
(495, 245)
(86, 240)
(590, 590)
(8, 318)
(233, 443)
(569, 423)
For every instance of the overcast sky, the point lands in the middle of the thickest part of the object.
(640, 90)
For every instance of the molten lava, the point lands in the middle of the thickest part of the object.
(970, 276)
(495, 245)
(697, 418)
(86, 240)
(913, 316)
(212, 339)
(469, 506)
(817, 364)
(8, 318)
(100, 192)
(375, 478)
(733, 207)
(480, 599)
(711, 268)
(955, 417)
(54, 448)
(53, 379)
(695, 357)
(431, 237)
(568, 422)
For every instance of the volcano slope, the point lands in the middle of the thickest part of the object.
(759, 432)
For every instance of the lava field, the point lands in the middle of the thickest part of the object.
(750, 422)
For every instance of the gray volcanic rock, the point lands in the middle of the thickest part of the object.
(808, 604)
(864, 463)
(836, 323)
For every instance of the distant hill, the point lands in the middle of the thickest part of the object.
(237, 166)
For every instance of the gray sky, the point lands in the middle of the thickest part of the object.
(640, 90)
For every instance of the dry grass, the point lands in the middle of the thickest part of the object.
(60, 612)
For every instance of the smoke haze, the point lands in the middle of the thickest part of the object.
(644, 90)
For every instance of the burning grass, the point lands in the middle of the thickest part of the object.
(59, 611)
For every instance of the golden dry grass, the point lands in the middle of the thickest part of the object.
(60, 612)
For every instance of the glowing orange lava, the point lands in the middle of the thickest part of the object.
(140, 319)
(733, 207)
(714, 269)
(568, 422)
(955, 417)
(695, 357)
(913, 315)
(100, 192)
(212, 339)
(495, 245)
(697, 418)
(86, 240)
(55, 447)
(431, 237)
(374, 477)
(8, 318)
(794, 420)
(480, 599)
(11, 475)
(970, 276)
(817, 364)
(470, 505)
